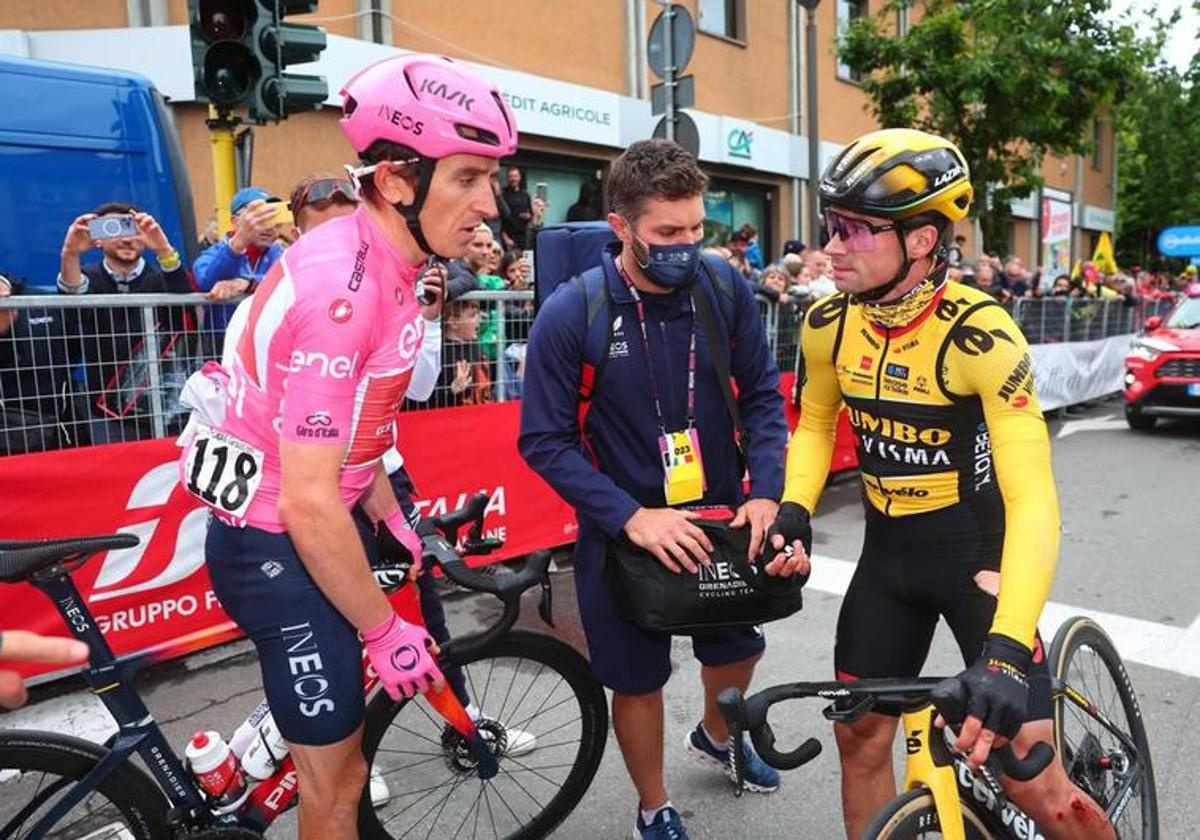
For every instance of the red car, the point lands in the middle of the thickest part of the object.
(1162, 372)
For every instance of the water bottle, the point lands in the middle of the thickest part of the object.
(265, 751)
(216, 770)
(247, 732)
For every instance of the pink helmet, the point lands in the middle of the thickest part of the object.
(429, 103)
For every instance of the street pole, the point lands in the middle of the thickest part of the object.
(669, 60)
(224, 154)
(814, 136)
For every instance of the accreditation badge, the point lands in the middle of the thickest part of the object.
(683, 469)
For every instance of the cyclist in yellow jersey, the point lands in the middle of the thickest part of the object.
(961, 509)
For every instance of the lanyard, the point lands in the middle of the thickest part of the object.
(691, 380)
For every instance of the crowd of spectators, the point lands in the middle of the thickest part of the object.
(81, 375)
(1009, 280)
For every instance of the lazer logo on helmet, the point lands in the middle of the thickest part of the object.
(444, 91)
(401, 120)
(947, 176)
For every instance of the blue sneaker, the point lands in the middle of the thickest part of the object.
(759, 776)
(666, 826)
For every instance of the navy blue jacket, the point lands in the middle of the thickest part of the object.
(621, 426)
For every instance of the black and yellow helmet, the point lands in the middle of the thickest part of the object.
(899, 173)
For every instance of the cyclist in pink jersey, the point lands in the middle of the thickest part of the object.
(319, 372)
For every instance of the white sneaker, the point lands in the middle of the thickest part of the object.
(520, 742)
(379, 789)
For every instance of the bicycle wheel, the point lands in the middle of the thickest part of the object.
(1084, 658)
(914, 815)
(546, 720)
(37, 770)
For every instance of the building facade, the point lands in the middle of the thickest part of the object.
(577, 76)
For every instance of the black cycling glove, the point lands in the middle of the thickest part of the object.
(997, 691)
(791, 523)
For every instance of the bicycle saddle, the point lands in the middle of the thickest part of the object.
(22, 559)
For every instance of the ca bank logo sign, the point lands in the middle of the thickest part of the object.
(738, 143)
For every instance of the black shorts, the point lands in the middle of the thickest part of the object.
(914, 570)
(310, 655)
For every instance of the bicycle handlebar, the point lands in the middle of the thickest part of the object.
(950, 699)
(749, 714)
(440, 549)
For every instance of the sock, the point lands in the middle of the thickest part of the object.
(712, 742)
(649, 816)
(473, 711)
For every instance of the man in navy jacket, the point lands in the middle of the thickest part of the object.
(655, 192)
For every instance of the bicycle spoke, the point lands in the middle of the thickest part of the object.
(521, 723)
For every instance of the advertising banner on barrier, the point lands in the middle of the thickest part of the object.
(156, 596)
(1076, 371)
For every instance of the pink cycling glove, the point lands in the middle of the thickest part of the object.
(399, 654)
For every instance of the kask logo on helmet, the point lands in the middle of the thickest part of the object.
(401, 120)
(442, 90)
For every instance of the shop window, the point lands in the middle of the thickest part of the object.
(725, 18)
(846, 11)
(729, 205)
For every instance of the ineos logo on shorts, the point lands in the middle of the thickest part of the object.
(405, 657)
(410, 341)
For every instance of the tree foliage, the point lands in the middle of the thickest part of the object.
(1007, 80)
(1158, 129)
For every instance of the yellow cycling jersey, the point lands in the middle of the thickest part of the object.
(945, 413)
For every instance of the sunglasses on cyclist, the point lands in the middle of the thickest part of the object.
(856, 235)
(325, 190)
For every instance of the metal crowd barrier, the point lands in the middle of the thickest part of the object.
(1054, 319)
(76, 370)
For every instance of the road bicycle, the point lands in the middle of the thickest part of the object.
(1099, 735)
(439, 779)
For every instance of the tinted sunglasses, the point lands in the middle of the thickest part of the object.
(325, 189)
(856, 235)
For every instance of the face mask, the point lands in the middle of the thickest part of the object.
(669, 266)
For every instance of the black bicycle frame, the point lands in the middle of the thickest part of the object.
(1121, 801)
(109, 678)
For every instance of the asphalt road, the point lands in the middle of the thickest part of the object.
(1129, 551)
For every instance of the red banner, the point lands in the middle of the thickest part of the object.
(156, 595)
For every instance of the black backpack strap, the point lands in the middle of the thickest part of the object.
(719, 350)
(596, 301)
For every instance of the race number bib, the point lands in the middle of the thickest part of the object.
(222, 471)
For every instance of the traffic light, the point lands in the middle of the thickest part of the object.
(278, 45)
(224, 66)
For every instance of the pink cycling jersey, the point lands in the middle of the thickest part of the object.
(326, 356)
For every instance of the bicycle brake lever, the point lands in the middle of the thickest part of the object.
(861, 706)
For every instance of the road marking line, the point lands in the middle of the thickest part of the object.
(1175, 649)
(1145, 642)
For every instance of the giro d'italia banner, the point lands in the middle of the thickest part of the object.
(156, 597)
(1077, 371)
